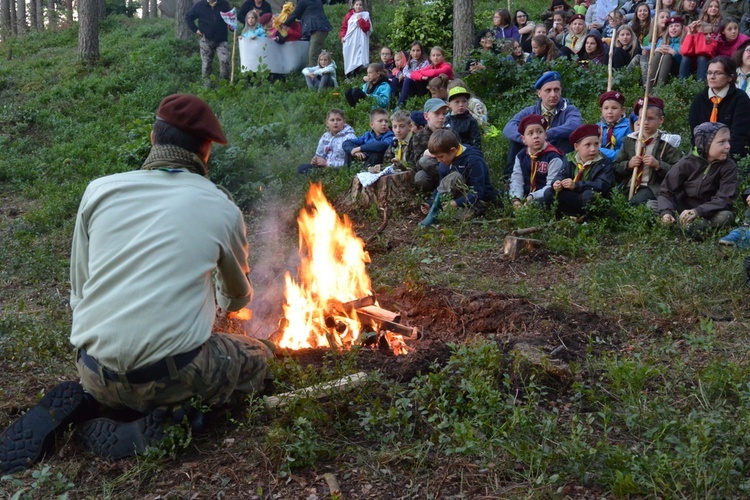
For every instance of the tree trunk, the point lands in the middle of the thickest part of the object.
(463, 31)
(69, 12)
(182, 30)
(13, 17)
(5, 28)
(32, 14)
(102, 9)
(39, 17)
(21, 17)
(154, 10)
(51, 14)
(145, 9)
(88, 32)
(389, 191)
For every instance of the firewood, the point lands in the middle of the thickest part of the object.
(388, 320)
(317, 391)
(513, 246)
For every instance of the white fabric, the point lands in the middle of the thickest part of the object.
(145, 248)
(368, 179)
(356, 43)
(279, 58)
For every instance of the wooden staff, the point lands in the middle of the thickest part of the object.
(234, 46)
(509, 11)
(609, 69)
(642, 118)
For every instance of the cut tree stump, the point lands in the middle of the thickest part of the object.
(514, 246)
(388, 191)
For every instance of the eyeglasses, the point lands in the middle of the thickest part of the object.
(747, 50)
(715, 73)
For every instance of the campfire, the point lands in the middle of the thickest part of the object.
(331, 302)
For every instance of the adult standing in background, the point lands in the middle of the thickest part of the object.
(315, 26)
(213, 32)
(259, 6)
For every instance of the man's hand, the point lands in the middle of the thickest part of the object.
(688, 216)
(667, 219)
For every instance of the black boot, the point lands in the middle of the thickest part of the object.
(113, 439)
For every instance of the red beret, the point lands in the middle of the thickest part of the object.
(612, 95)
(532, 120)
(652, 101)
(265, 19)
(192, 115)
(577, 16)
(584, 131)
(675, 20)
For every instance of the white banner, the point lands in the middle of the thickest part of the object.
(280, 58)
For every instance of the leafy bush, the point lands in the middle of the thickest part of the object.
(429, 23)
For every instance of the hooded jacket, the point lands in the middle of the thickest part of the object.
(331, 147)
(472, 167)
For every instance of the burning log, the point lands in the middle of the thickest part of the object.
(388, 320)
(345, 307)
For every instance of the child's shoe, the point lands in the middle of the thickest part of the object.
(737, 237)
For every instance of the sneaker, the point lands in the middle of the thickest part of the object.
(737, 237)
(27, 439)
(115, 440)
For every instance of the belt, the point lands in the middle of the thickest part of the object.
(144, 375)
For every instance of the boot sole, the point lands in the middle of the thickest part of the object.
(27, 439)
(115, 440)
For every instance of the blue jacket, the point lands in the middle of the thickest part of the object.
(472, 167)
(621, 129)
(381, 93)
(369, 142)
(567, 119)
(209, 20)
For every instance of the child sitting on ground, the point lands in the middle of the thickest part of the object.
(418, 156)
(375, 87)
(253, 29)
(614, 123)
(588, 173)
(438, 87)
(740, 237)
(396, 152)
(537, 166)
(418, 122)
(656, 157)
(323, 75)
(464, 177)
(370, 147)
(699, 190)
(460, 120)
(476, 107)
(330, 152)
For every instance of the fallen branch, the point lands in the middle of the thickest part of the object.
(333, 485)
(317, 391)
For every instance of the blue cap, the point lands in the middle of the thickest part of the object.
(549, 76)
(434, 104)
(418, 118)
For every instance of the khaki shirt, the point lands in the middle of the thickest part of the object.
(145, 248)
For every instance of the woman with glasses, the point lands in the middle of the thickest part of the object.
(721, 101)
(741, 58)
(525, 28)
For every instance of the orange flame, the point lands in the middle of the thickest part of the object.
(332, 270)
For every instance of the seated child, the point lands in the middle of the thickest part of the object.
(587, 173)
(656, 158)
(698, 191)
(464, 176)
(418, 122)
(476, 107)
(438, 87)
(396, 153)
(460, 120)
(614, 123)
(330, 152)
(418, 156)
(537, 166)
(370, 147)
(376, 87)
(323, 75)
(253, 29)
(740, 237)
(397, 73)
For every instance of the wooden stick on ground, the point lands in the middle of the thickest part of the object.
(333, 485)
(317, 391)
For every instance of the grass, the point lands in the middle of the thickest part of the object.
(657, 409)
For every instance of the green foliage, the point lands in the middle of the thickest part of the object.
(45, 484)
(428, 23)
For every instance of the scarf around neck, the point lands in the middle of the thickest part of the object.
(167, 156)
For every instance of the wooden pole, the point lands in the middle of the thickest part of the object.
(317, 391)
(642, 118)
(234, 46)
(609, 69)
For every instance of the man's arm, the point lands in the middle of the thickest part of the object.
(233, 289)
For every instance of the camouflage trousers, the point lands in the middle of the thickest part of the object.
(227, 366)
(208, 48)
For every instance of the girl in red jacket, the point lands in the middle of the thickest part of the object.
(416, 83)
